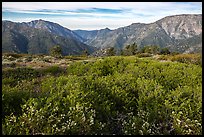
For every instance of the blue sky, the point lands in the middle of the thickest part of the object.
(96, 15)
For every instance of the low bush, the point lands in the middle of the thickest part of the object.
(140, 55)
(188, 58)
(76, 57)
(9, 81)
(184, 58)
(53, 70)
(12, 99)
(20, 73)
(111, 96)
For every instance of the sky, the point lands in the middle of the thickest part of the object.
(96, 15)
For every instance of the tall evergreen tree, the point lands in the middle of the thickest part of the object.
(130, 50)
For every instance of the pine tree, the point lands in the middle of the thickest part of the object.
(130, 50)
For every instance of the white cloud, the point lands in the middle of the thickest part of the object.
(150, 6)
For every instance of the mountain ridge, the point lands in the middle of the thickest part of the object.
(54, 28)
(166, 32)
(37, 41)
(181, 33)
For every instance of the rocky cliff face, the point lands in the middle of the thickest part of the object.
(181, 26)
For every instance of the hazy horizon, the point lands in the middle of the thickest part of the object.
(96, 15)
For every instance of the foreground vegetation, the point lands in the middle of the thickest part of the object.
(124, 95)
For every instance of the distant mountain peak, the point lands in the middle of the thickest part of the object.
(54, 28)
(39, 23)
(106, 28)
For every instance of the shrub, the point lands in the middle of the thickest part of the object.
(20, 73)
(114, 95)
(130, 50)
(76, 57)
(188, 58)
(53, 70)
(9, 81)
(56, 51)
(144, 55)
(151, 49)
(184, 58)
(165, 51)
(12, 99)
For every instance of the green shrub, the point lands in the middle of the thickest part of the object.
(12, 98)
(9, 81)
(53, 70)
(56, 51)
(114, 95)
(20, 73)
(184, 58)
(76, 57)
(164, 51)
(188, 58)
(140, 55)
